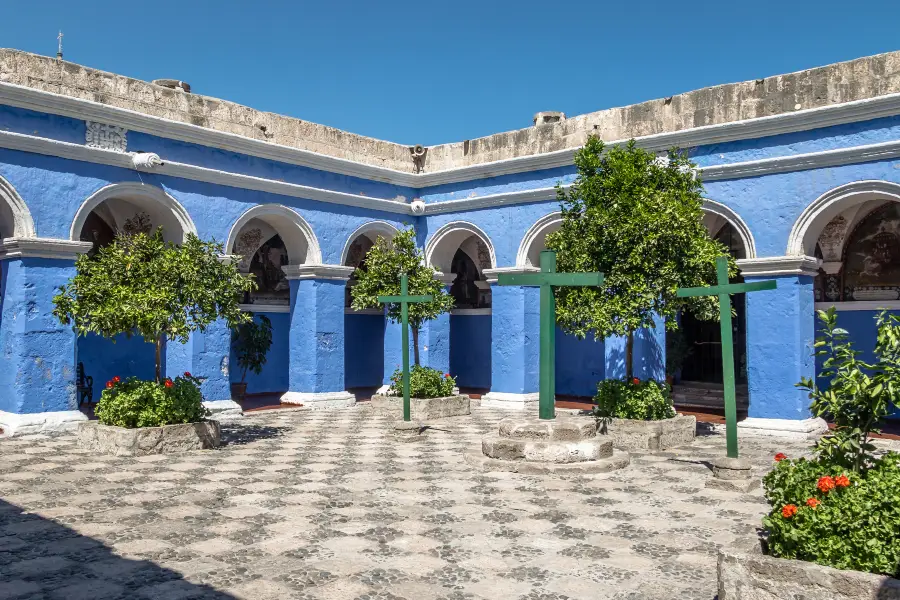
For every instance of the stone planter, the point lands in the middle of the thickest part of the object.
(423, 409)
(168, 439)
(750, 575)
(651, 436)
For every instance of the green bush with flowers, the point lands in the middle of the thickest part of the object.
(646, 400)
(136, 403)
(841, 508)
(424, 382)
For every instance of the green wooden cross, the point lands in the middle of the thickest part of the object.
(724, 290)
(547, 279)
(404, 300)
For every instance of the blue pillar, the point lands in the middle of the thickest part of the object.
(434, 343)
(780, 337)
(206, 355)
(316, 341)
(37, 352)
(515, 359)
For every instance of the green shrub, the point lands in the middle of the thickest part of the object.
(424, 382)
(835, 517)
(641, 400)
(136, 403)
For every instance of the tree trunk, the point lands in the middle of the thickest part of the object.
(629, 356)
(158, 359)
(415, 331)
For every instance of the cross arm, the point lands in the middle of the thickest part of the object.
(411, 299)
(731, 288)
(555, 279)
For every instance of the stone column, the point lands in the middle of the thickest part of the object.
(316, 336)
(37, 377)
(780, 337)
(206, 355)
(515, 343)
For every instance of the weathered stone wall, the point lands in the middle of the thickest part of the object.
(833, 84)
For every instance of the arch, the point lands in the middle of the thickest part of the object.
(814, 218)
(129, 191)
(442, 246)
(711, 207)
(371, 230)
(533, 241)
(18, 213)
(299, 239)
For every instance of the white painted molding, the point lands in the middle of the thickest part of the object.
(814, 218)
(336, 272)
(491, 201)
(469, 312)
(376, 228)
(876, 305)
(265, 308)
(288, 223)
(805, 429)
(735, 220)
(14, 424)
(23, 225)
(510, 401)
(131, 190)
(417, 206)
(491, 274)
(147, 161)
(445, 278)
(319, 400)
(446, 232)
(779, 265)
(42, 248)
(552, 220)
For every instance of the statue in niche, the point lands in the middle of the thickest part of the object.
(139, 223)
(872, 257)
(464, 290)
(266, 266)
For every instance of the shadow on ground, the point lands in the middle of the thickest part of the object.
(238, 434)
(40, 558)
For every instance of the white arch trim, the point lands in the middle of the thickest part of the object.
(382, 228)
(302, 250)
(735, 220)
(129, 191)
(23, 224)
(540, 226)
(806, 230)
(449, 233)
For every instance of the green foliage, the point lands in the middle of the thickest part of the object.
(135, 403)
(145, 285)
(385, 262)
(639, 222)
(251, 342)
(859, 394)
(851, 523)
(424, 382)
(633, 399)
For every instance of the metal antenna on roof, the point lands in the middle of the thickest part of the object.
(59, 47)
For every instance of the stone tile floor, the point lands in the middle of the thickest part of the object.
(326, 505)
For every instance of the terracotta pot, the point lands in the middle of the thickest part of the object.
(238, 391)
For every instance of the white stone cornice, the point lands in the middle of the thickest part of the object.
(877, 305)
(42, 248)
(336, 272)
(779, 265)
(445, 278)
(491, 274)
(491, 201)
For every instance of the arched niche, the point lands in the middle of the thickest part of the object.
(463, 250)
(727, 226)
(15, 218)
(534, 242)
(361, 240)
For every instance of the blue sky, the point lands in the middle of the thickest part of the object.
(430, 72)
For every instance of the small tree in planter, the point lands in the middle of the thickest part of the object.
(385, 262)
(251, 342)
(638, 220)
(141, 284)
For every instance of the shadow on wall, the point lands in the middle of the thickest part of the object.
(274, 376)
(125, 357)
(649, 356)
(580, 364)
(43, 558)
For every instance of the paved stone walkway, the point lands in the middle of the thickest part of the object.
(326, 505)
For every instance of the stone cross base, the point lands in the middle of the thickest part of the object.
(562, 445)
(734, 474)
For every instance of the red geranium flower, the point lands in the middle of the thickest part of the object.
(187, 373)
(812, 502)
(780, 457)
(788, 511)
(447, 375)
(825, 484)
(636, 381)
(842, 481)
(168, 383)
(109, 384)
(116, 379)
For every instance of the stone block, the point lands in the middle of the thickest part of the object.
(750, 575)
(561, 429)
(140, 441)
(423, 409)
(544, 450)
(617, 460)
(651, 436)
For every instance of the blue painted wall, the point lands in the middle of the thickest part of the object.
(363, 350)
(126, 357)
(470, 350)
(274, 376)
(580, 364)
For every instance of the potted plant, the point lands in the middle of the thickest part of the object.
(142, 285)
(835, 517)
(251, 342)
(431, 395)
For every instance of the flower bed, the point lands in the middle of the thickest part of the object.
(639, 416)
(650, 436)
(135, 403)
(432, 395)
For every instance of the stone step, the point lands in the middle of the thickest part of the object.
(544, 450)
(559, 429)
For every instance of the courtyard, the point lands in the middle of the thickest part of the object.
(328, 505)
